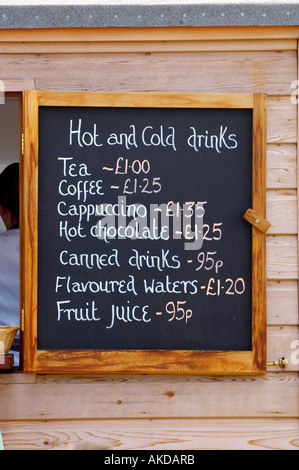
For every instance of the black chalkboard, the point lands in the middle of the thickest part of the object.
(142, 289)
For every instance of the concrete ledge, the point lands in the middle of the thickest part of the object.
(70, 13)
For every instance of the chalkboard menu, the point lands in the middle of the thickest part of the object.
(141, 249)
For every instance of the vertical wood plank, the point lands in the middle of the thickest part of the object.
(259, 238)
(30, 230)
(21, 222)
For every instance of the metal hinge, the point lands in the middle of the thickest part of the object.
(23, 144)
(22, 319)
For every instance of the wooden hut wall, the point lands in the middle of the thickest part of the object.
(173, 412)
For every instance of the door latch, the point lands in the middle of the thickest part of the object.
(282, 362)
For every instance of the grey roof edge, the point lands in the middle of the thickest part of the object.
(163, 15)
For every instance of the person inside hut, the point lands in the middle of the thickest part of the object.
(9, 252)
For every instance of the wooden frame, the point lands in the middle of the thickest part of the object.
(143, 361)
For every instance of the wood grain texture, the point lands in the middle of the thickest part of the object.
(152, 361)
(281, 166)
(183, 34)
(18, 85)
(282, 257)
(282, 212)
(270, 72)
(257, 220)
(29, 230)
(258, 263)
(282, 303)
(147, 46)
(281, 342)
(154, 434)
(132, 396)
(146, 99)
(282, 120)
